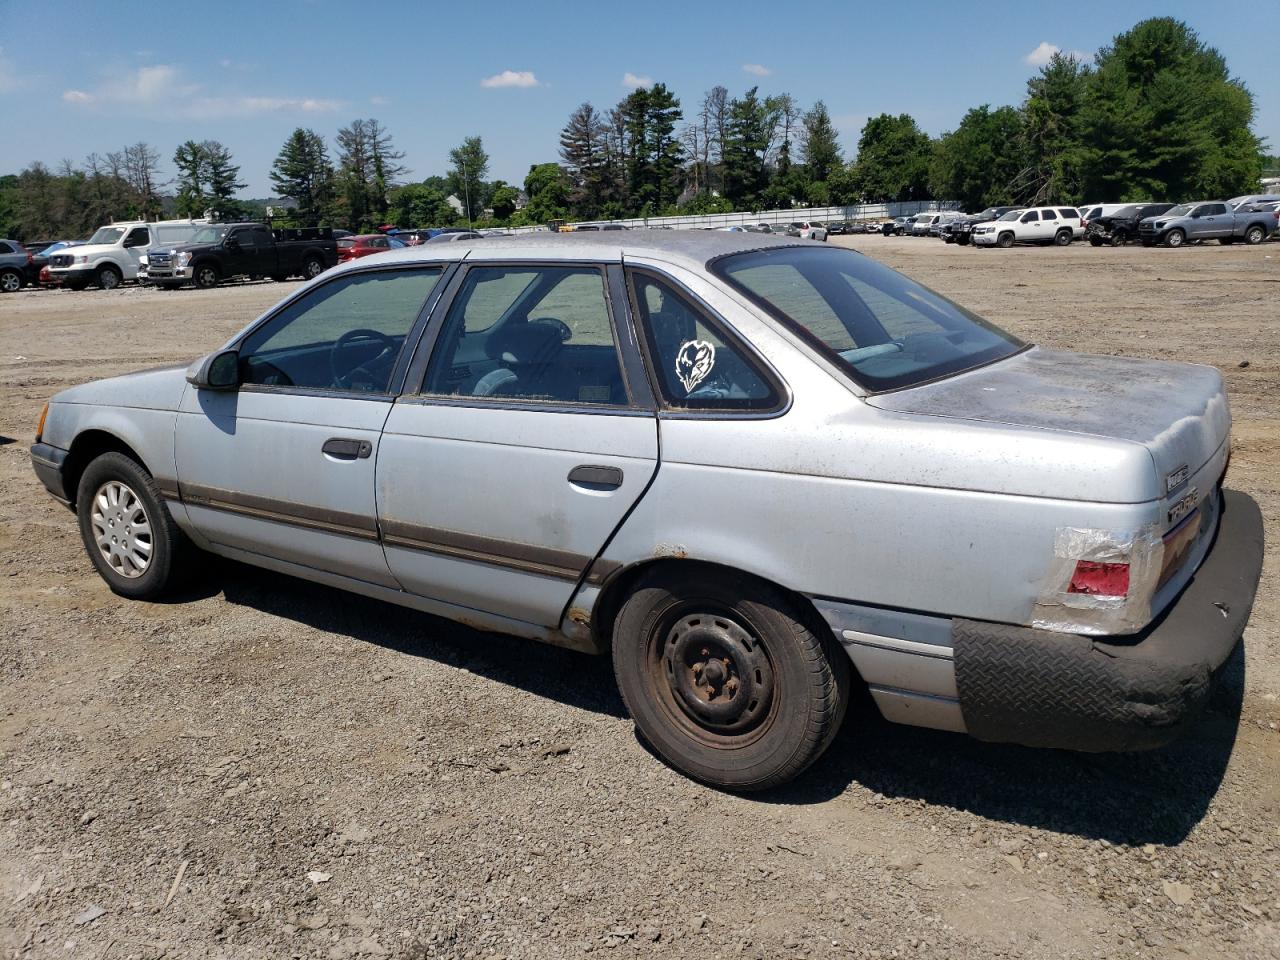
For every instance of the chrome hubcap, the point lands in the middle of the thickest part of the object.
(122, 529)
(9, 282)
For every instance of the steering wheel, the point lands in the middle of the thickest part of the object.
(359, 335)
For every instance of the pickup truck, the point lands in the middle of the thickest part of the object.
(1206, 220)
(221, 251)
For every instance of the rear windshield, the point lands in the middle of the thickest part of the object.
(886, 331)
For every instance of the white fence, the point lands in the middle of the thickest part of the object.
(856, 212)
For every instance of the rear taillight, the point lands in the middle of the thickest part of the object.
(1100, 579)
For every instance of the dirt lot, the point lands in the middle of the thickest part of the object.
(270, 769)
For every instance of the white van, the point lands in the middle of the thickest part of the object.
(114, 252)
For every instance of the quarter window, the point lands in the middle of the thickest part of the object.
(1068, 214)
(529, 333)
(345, 335)
(698, 366)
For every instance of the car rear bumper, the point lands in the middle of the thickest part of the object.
(49, 463)
(1040, 688)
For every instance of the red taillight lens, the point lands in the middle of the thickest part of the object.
(1100, 579)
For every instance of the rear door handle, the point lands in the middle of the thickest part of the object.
(596, 477)
(344, 448)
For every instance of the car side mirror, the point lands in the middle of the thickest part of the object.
(216, 371)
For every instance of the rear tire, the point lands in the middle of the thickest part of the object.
(1063, 238)
(312, 268)
(127, 530)
(1254, 235)
(738, 693)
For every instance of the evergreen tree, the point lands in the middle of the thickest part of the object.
(189, 159)
(303, 173)
(819, 146)
(748, 131)
(223, 180)
(584, 150)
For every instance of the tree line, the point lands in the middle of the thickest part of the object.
(1154, 114)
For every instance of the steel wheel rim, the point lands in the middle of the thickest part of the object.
(712, 675)
(9, 282)
(109, 280)
(207, 277)
(314, 269)
(122, 529)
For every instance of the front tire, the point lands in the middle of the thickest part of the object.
(1175, 238)
(206, 276)
(127, 530)
(108, 277)
(1005, 241)
(10, 281)
(726, 680)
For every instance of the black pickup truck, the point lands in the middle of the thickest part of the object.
(221, 251)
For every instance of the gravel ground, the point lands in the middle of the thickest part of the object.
(265, 768)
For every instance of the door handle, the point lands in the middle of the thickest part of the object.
(596, 477)
(343, 448)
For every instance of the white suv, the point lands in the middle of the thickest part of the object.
(808, 230)
(1056, 225)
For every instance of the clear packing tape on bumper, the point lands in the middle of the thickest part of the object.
(1058, 609)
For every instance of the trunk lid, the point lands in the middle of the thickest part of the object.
(1178, 411)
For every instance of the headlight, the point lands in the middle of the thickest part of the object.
(184, 258)
(142, 260)
(81, 258)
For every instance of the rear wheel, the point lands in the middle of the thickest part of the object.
(10, 281)
(725, 679)
(109, 277)
(1254, 235)
(127, 530)
(1175, 238)
(1062, 238)
(1005, 241)
(312, 268)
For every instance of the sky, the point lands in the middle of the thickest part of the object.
(82, 77)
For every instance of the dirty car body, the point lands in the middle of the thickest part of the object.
(588, 439)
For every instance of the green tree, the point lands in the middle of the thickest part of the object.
(503, 198)
(1165, 119)
(979, 162)
(584, 150)
(223, 180)
(1050, 144)
(470, 165)
(303, 173)
(420, 205)
(191, 200)
(547, 186)
(893, 160)
(819, 144)
(653, 151)
(748, 132)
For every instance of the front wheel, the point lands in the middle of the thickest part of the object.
(1175, 238)
(10, 281)
(109, 277)
(1005, 241)
(127, 530)
(206, 276)
(726, 680)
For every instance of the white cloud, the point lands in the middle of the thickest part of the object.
(379, 101)
(756, 69)
(634, 81)
(1042, 54)
(511, 78)
(163, 85)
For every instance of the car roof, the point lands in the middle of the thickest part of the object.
(688, 248)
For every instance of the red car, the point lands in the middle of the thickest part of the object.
(353, 248)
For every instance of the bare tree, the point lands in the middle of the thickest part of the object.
(141, 168)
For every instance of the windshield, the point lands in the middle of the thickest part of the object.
(107, 235)
(885, 330)
(209, 235)
(1012, 215)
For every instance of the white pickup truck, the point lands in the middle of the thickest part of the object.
(114, 253)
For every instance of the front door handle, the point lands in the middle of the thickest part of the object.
(344, 448)
(596, 477)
